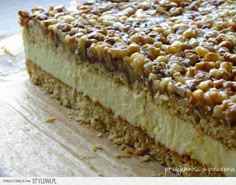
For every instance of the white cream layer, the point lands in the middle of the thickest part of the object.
(138, 108)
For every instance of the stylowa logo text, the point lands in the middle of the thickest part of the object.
(44, 181)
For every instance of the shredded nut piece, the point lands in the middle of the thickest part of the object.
(97, 147)
(51, 119)
(145, 158)
(119, 156)
(99, 134)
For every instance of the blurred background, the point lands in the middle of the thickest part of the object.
(9, 8)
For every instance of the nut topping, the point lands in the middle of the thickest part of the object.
(181, 48)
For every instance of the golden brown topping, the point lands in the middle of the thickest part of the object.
(179, 47)
(228, 44)
(190, 33)
(137, 62)
(211, 56)
(230, 57)
(153, 52)
(205, 85)
(133, 47)
(201, 51)
(118, 50)
(197, 96)
(175, 67)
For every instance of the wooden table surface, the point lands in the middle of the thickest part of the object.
(29, 146)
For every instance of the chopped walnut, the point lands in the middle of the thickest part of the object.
(175, 47)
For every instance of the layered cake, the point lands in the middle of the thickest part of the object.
(157, 76)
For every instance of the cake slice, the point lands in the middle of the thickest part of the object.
(157, 76)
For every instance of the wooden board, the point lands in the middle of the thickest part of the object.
(30, 146)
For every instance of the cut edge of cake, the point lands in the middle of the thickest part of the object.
(74, 81)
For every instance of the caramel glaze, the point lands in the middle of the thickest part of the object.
(183, 49)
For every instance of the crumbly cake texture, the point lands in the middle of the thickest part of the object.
(180, 50)
(117, 129)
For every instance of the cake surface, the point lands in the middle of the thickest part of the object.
(164, 70)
